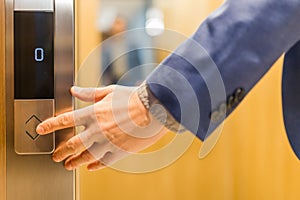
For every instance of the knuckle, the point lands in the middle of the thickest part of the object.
(87, 157)
(125, 147)
(111, 87)
(97, 112)
(70, 145)
(48, 126)
(63, 120)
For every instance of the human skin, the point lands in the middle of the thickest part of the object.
(116, 125)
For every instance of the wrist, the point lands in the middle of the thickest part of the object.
(138, 112)
(149, 101)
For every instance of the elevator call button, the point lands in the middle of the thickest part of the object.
(28, 114)
(30, 127)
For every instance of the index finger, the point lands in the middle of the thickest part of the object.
(62, 121)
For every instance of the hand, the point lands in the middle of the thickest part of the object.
(115, 126)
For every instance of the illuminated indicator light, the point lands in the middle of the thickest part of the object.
(39, 54)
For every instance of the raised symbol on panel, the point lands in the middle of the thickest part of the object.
(30, 127)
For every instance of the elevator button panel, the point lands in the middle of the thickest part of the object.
(28, 114)
(34, 90)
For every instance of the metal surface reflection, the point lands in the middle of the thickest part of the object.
(35, 177)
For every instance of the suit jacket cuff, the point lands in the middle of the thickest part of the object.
(162, 115)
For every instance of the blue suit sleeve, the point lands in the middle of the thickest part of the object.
(291, 96)
(204, 80)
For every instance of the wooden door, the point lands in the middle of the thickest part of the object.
(2, 101)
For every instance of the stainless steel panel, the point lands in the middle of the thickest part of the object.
(64, 62)
(27, 115)
(36, 177)
(40, 5)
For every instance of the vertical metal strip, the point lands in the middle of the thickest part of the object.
(2, 104)
(64, 65)
(36, 177)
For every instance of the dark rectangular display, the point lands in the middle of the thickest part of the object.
(33, 55)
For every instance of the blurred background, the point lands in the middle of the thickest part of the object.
(252, 158)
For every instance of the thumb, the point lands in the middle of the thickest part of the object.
(91, 94)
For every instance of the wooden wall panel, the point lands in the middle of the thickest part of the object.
(2, 102)
(252, 159)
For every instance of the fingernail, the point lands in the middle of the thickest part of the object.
(40, 130)
(75, 89)
(92, 169)
(55, 158)
(68, 166)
